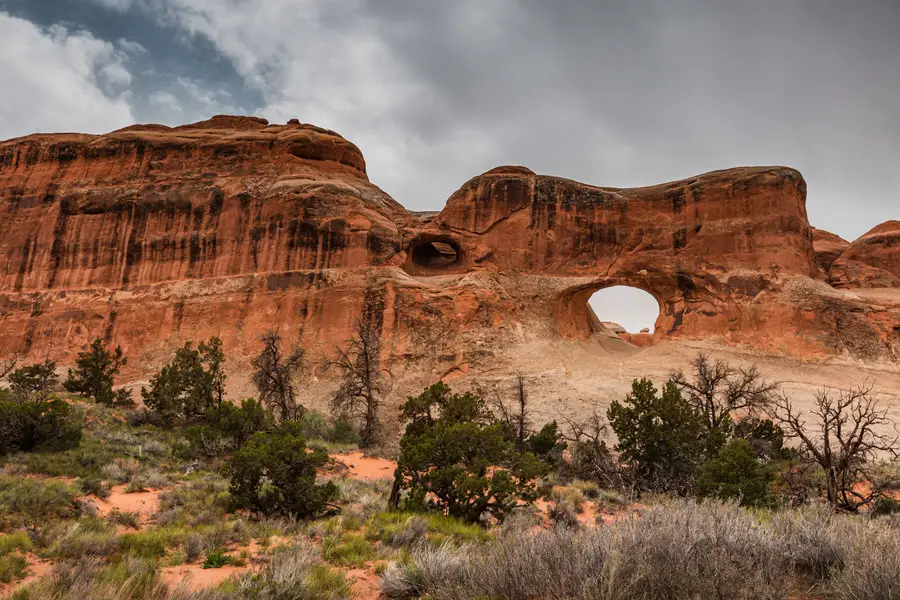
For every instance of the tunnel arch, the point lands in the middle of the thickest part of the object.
(632, 308)
(434, 255)
(575, 318)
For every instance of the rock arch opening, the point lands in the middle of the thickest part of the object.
(626, 310)
(435, 254)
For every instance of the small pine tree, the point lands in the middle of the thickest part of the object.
(191, 384)
(31, 418)
(34, 384)
(275, 474)
(660, 437)
(94, 373)
(454, 459)
(736, 473)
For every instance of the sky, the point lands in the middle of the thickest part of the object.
(434, 92)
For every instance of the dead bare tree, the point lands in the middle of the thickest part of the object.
(275, 375)
(843, 441)
(588, 456)
(364, 383)
(717, 390)
(8, 365)
(516, 424)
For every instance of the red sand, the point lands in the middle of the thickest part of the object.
(367, 468)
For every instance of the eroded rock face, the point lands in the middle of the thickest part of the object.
(828, 247)
(151, 236)
(872, 261)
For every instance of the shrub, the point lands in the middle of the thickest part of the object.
(32, 502)
(192, 547)
(660, 437)
(34, 384)
(275, 474)
(228, 427)
(681, 551)
(188, 386)
(885, 505)
(215, 559)
(454, 459)
(10, 542)
(12, 567)
(200, 494)
(94, 486)
(126, 519)
(297, 574)
(347, 550)
(737, 474)
(50, 426)
(94, 373)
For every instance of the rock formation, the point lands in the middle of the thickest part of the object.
(151, 236)
(828, 247)
(872, 261)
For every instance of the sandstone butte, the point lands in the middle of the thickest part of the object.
(151, 236)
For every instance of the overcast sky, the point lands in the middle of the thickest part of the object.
(620, 93)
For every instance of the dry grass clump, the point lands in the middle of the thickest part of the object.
(296, 574)
(683, 550)
(679, 550)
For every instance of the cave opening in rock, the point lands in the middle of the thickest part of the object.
(435, 254)
(631, 309)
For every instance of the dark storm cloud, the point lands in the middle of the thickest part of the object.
(677, 88)
(610, 93)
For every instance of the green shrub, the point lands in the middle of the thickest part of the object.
(188, 386)
(228, 427)
(455, 459)
(18, 540)
(94, 486)
(885, 505)
(202, 493)
(275, 474)
(94, 373)
(215, 559)
(659, 437)
(12, 567)
(348, 550)
(126, 519)
(51, 426)
(31, 502)
(737, 474)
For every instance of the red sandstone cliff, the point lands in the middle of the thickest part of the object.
(872, 261)
(151, 236)
(828, 247)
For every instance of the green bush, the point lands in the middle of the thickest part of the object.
(94, 373)
(275, 474)
(348, 550)
(455, 459)
(228, 427)
(736, 473)
(52, 426)
(31, 502)
(660, 437)
(10, 542)
(215, 559)
(188, 386)
(12, 567)
(34, 384)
